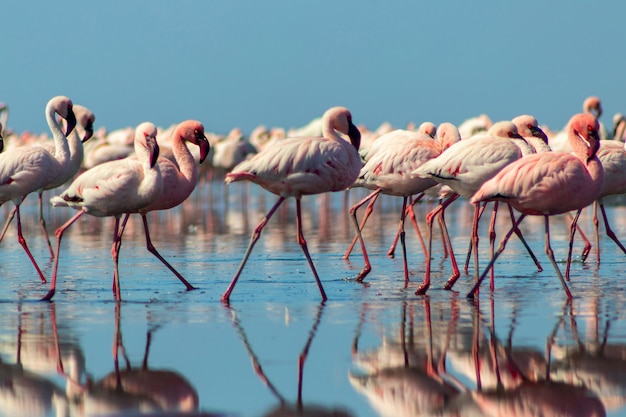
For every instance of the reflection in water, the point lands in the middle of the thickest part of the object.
(407, 374)
(592, 362)
(140, 390)
(285, 408)
(26, 386)
(42, 353)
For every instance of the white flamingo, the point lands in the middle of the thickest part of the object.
(113, 188)
(388, 171)
(302, 166)
(85, 119)
(30, 168)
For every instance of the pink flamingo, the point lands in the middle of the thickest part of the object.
(559, 141)
(388, 171)
(550, 183)
(179, 180)
(113, 188)
(30, 168)
(612, 154)
(85, 119)
(464, 167)
(302, 166)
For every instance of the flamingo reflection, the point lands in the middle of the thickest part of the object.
(24, 390)
(139, 391)
(591, 361)
(409, 377)
(285, 408)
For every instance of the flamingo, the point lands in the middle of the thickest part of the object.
(612, 154)
(560, 141)
(550, 183)
(619, 124)
(179, 180)
(302, 166)
(464, 167)
(85, 119)
(30, 168)
(113, 188)
(387, 171)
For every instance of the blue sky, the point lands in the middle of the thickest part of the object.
(282, 63)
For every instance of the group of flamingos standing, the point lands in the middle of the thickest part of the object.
(513, 162)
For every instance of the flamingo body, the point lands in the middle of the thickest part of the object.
(550, 183)
(113, 188)
(301, 166)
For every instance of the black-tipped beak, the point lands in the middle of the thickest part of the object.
(71, 122)
(205, 147)
(539, 133)
(1, 144)
(154, 150)
(88, 132)
(355, 135)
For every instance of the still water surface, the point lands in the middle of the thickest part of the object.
(372, 349)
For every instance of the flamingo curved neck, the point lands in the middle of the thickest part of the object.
(62, 151)
(184, 158)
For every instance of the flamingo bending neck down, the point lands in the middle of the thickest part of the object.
(302, 166)
(30, 168)
(388, 171)
(464, 167)
(549, 183)
(113, 188)
(179, 180)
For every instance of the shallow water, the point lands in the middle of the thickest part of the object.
(372, 349)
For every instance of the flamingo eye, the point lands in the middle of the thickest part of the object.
(529, 126)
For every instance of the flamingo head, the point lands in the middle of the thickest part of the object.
(585, 127)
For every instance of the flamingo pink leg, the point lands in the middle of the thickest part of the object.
(305, 249)
(518, 233)
(372, 197)
(411, 213)
(59, 234)
(586, 241)
(20, 238)
(42, 222)
(153, 251)
(548, 248)
(492, 240)
(115, 254)
(421, 290)
(8, 222)
(253, 239)
(610, 233)
(573, 228)
(447, 243)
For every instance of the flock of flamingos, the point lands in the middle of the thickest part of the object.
(533, 170)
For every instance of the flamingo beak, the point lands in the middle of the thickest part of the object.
(539, 133)
(1, 143)
(88, 132)
(355, 135)
(71, 121)
(154, 150)
(205, 147)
